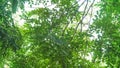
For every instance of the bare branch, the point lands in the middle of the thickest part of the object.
(84, 15)
(72, 17)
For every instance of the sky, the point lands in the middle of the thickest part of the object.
(20, 21)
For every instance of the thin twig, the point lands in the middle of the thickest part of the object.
(72, 16)
(81, 19)
(84, 14)
(90, 17)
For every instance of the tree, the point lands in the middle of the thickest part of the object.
(55, 37)
(10, 36)
(106, 25)
(52, 43)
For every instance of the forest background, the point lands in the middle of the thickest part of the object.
(60, 34)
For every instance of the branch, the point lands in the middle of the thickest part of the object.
(72, 16)
(84, 15)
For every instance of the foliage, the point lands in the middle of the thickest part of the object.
(106, 25)
(55, 37)
(51, 42)
(10, 37)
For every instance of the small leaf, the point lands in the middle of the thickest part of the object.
(14, 5)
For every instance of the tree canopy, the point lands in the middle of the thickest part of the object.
(61, 34)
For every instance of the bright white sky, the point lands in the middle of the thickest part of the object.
(28, 8)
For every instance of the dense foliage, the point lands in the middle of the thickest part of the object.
(107, 26)
(10, 36)
(56, 37)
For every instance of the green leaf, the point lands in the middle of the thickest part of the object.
(14, 5)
